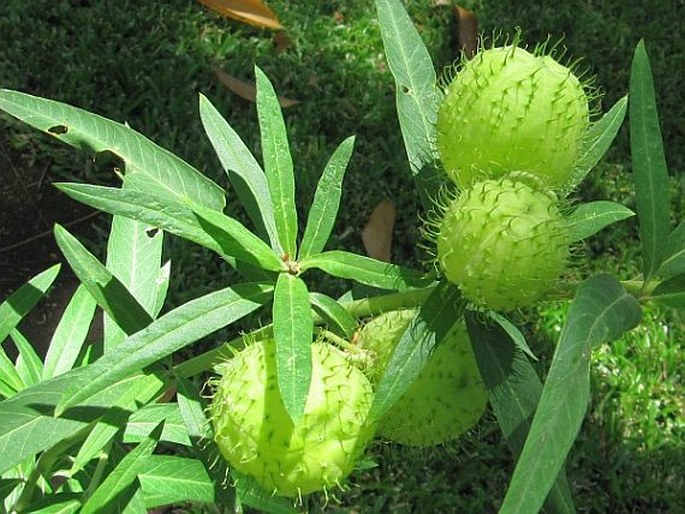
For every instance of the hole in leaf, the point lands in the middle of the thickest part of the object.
(58, 130)
(151, 232)
(406, 90)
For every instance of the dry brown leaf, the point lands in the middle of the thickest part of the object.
(253, 12)
(247, 90)
(467, 31)
(281, 42)
(377, 234)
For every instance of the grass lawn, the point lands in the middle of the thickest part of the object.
(145, 62)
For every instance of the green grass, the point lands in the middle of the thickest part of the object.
(145, 62)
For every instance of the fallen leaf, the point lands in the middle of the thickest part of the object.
(377, 234)
(467, 31)
(247, 90)
(282, 42)
(253, 12)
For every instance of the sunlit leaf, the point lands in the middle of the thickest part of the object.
(293, 328)
(600, 312)
(589, 218)
(324, 209)
(365, 270)
(93, 133)
(649, 164)
(278, 163)
(416, 94)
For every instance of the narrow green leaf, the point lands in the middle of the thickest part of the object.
(193, 408)
(12, 310)
(600, 312)
(61, 503)
(207, 227)
(143, 421)
(7, 485)
(365, 270)
(243, 170)
(93, 133)
(110, 294)
(124, 406)
(134, 255)
(167, 479)
(28, 424)
(162, 284)
(334, 314)
(671, 292)
(596, 142)
(29, 366)
(514, 334)
(324, 209)
(236, 241)
(278, 164)
(514, 390)
(415, 93)
(589, 218)
(70, 334)
(674, 263)
(649, 163)
(19, 303)
(253, 495)
(171, 332)
(432, 322)
(293, 326)
(122, 476)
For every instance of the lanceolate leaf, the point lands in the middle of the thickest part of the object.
(365, 270)
(293, 328)
(324, 209)
(19, 303)
(514, 390)
(600, 312)
(590, 218)
(167, 479)
(134, 256)
(193, 408)
(671, 292)
(416, 93)
(110, 294)
(122, 476)
(142, 422)
(433, 321)
(674, 262)
(28, 365)
(243, 170)
(278, 164)
(207, 227)
(93, 133)
(171, 332)
(28, 424)
(596, 142)
(72, 329)
(649, 163)
(12, 311)
(334, 314)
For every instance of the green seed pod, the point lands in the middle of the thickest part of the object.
(508, 109)
(257, 437)
(503, 243)
(448, 396)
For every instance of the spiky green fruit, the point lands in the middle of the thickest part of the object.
(503, 243)
(507, 109)
(257, 437)
(448, 396)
